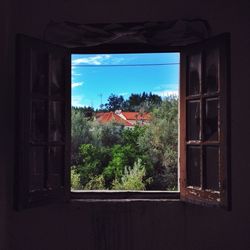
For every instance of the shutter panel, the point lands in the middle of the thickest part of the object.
(205, 123)
(43, 123)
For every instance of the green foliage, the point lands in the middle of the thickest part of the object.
(75, 180)
(134, 103)
(144, 101)
(95, 183)
(87, 112)
(130, 136)
(111, 134)
(80, 133)
(132, 178)
(94, 161)
(102, 153)
(114, 102)
(160, 141)
(121, 156)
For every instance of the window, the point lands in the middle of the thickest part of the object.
(43, 121)
(124, 121)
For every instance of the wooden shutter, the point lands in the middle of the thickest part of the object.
(205, 123)
(43, 123)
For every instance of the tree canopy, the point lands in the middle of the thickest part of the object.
(109, 156)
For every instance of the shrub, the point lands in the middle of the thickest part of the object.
(95, 183)
(95, 159)
(121, 156)
(132, 178)
(75, 180)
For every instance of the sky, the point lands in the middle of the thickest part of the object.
(94, 77)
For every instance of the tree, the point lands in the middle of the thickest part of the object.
(160, 141)
(105, 155)
(87, 112)
(145, 101)
(80, 133)
(132, 178)
(121, 156)
(134, 102)
(94, 160)
(115, 102)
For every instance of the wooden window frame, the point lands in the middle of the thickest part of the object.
(24, 197)
(201, 195)
(113, 194)
(185, 194)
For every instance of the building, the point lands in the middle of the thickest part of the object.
(128, 119)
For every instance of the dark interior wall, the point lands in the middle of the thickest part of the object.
(128, 225)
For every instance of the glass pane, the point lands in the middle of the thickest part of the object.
(39, 72)
(56, 166)
(194, 75)
(211, 119)
(39, 122)
(57, 75)
(212, 71)
(194, 166)
(57, 121)
(193, 120)
(212, 167)
(37, 164)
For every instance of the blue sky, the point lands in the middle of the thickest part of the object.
(96, 76)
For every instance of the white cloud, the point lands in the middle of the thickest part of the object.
(73, 73)
(80, 101)
(95, 60)
(166, 93)
(76, 84)
(77, 101)
(123, 94)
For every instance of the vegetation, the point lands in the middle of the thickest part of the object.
(109, 156)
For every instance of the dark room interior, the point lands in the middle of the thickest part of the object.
(127, 224)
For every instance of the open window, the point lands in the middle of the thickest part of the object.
(43, 122)
(124, 124)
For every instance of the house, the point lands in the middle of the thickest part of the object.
(128, 119)
(140, 118)
(125, 224)
(106, 117)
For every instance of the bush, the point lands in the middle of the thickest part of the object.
(106, 135)
(132, 178)
(102, 153)
(75, 180)
(160, 143)
(94, 160)
(80, 134)
(95, 183)
(121, 156)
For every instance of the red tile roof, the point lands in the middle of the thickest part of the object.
(106, 117)
(136, 116)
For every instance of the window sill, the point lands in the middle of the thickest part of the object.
(116, 196)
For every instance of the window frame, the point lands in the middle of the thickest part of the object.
(206, 197)
(202, 195)
(22, 194)
(122, 194)
(26, 48)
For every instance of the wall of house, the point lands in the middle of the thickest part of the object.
(139, 224)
